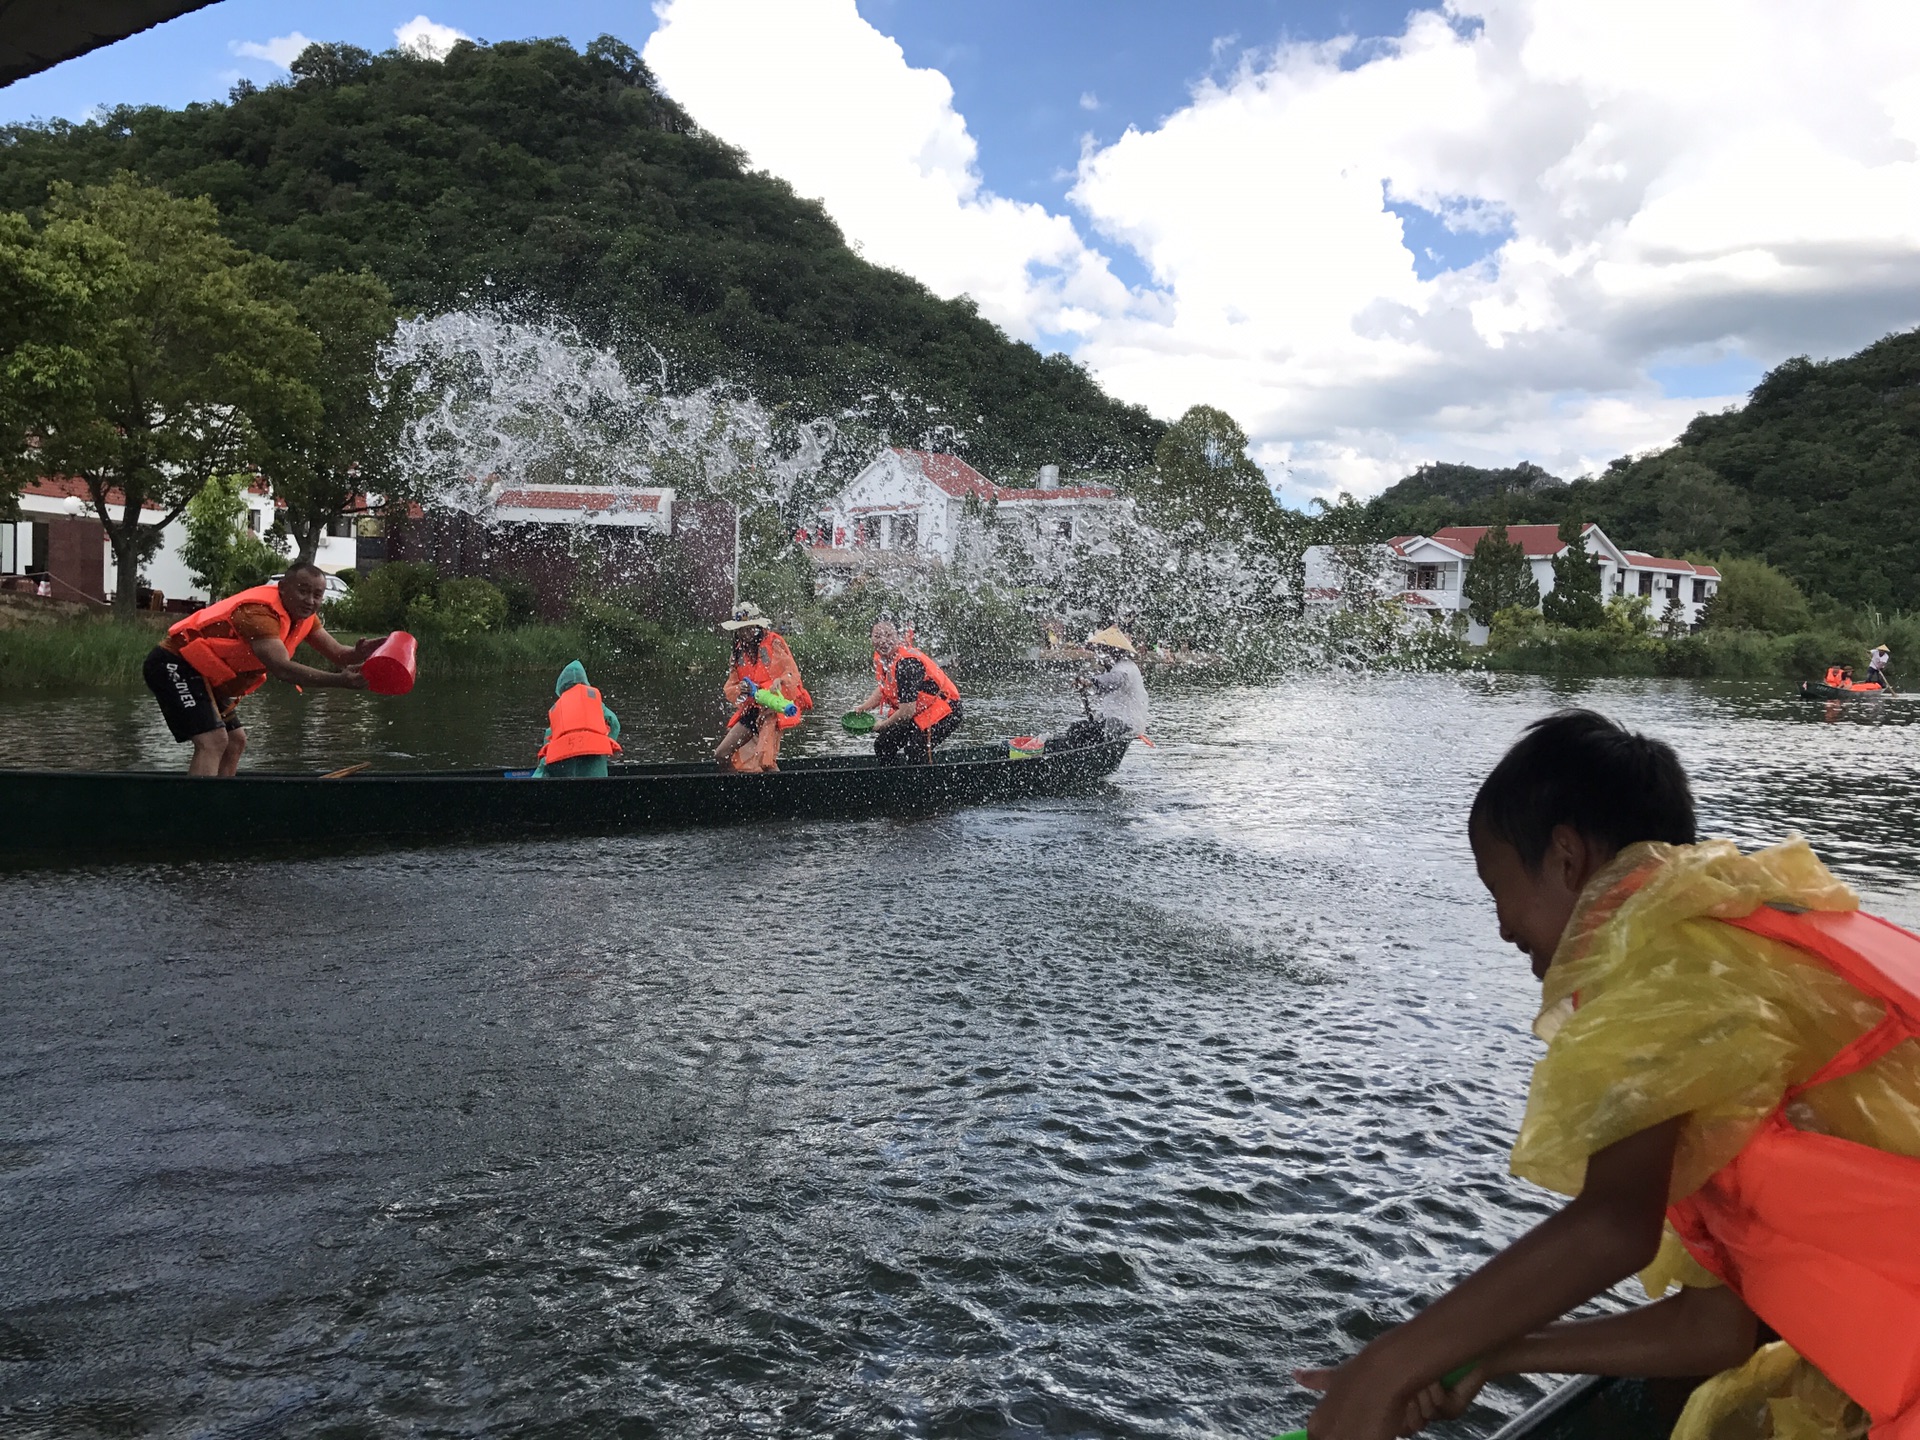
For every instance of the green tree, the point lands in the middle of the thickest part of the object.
(147, 387)
(1204, 491)
(321, 458)
(537, 176)
(1755, 596)
(1574, 600)
(221, 554)
(1498, 576)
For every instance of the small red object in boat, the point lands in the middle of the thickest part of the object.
(390, 670)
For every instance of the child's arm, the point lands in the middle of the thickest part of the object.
(1606, 1233)
(1697, 1332)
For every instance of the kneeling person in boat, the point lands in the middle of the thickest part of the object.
(920, 705)
(1116, 695)
(228, 649)
(761, 664)
(581, 731)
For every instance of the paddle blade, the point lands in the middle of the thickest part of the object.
(858, 722)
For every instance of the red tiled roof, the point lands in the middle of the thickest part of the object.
(959, 479)
(1708, 572)
(950, 473)
(1540, 542)
(60, 487)
(576, 500)
(1641, 560)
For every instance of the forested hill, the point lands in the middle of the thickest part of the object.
(1819, 474)
(528, 172)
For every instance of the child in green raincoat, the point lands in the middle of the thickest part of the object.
(581, 731)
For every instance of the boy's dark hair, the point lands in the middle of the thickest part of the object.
(1581, 769)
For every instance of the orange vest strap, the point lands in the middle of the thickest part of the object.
(1816, 1233)
(1875, 956)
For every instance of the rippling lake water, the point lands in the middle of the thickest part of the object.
(1070, 1118)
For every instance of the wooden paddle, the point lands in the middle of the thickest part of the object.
(347, 770)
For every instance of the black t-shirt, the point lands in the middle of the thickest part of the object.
(910, 680)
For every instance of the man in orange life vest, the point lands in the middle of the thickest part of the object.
(227, 650)
(921, 705)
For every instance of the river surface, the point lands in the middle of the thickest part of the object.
(1085, 1117)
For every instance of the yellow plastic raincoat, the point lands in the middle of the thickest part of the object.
(1651, 1010)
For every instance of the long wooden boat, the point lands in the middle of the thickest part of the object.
(64, 815)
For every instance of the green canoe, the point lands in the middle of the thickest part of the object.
(62, 815)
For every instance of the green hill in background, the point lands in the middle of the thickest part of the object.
(1818, 474)
(529, 175)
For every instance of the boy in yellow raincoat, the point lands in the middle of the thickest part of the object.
(1733, 1109)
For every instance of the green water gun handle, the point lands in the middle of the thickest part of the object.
(1452, 1378)
(775, 701)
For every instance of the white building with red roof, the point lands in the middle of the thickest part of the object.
(908, 505)
(58, 538)
(1428, 572)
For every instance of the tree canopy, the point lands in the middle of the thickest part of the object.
(529, 176)
(159, 343)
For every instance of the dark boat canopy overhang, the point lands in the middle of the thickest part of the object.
(36, 35)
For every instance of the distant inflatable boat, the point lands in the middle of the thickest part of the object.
(1834, 688)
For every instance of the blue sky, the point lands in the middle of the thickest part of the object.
(1537, 229)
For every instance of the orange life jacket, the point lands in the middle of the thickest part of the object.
(579, 726)
(1820, 1236)
(770, 661)
(221, 656)
(929, 710)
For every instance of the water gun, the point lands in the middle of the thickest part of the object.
(1452, 1378)
(775, 701)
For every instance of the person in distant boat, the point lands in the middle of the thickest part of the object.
(1117, 695)
(228, 649)
(761, 662)
(919, 705)
(1877, 668)
(581, 731)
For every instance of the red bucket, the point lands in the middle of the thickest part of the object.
(389, 670)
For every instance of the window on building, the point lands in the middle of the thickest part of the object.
(1063, 529)
(9, 548)
(1699, 592)
(253, 520)
(341, 527)
(1646, 582)
(40, 550)
(867, 531)
(1423, 577)
(906, 532)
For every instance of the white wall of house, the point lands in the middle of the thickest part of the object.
(1429, 573)
(892, 507)
(166, 571)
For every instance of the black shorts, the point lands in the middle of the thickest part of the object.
(184, 696)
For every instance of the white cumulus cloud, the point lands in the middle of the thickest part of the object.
(282, 50)
(427, 39)
(1619, 186)
(817, 96)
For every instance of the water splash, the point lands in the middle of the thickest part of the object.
(506, 403)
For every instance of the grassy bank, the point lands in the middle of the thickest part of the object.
(1728, 654)
(74, 653)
